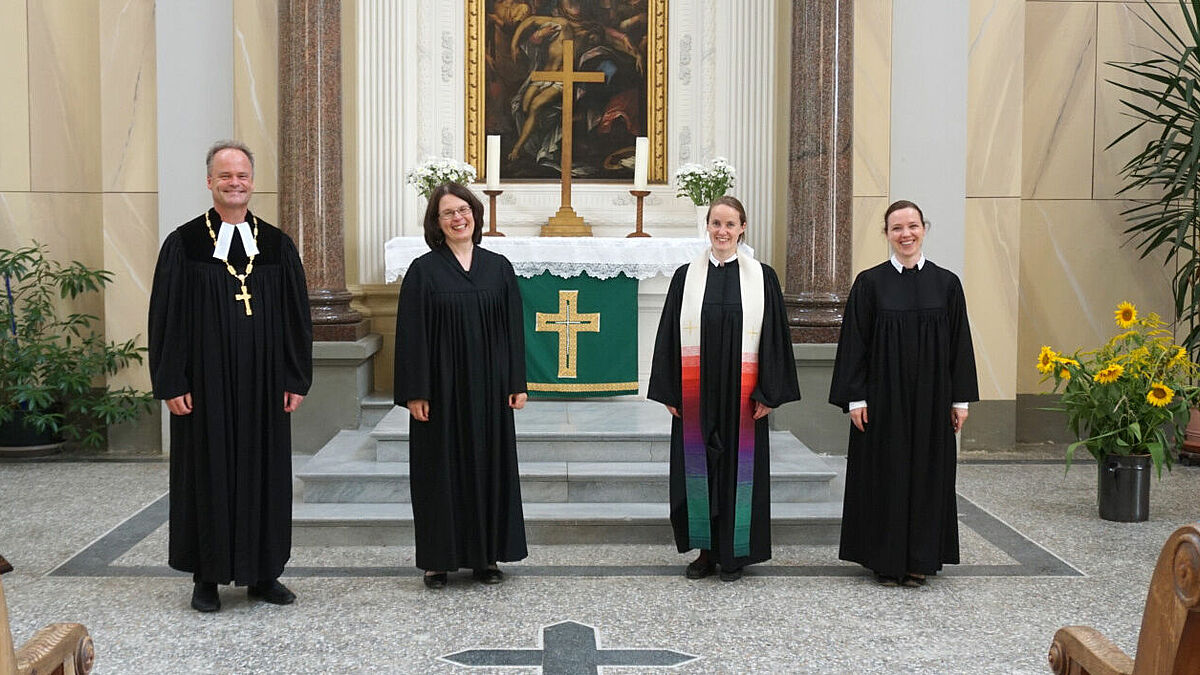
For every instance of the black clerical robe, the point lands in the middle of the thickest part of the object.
(231, 470)
(720, 372)
(460, 345)
(905, 349)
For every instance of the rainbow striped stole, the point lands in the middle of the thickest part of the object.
(695, 455)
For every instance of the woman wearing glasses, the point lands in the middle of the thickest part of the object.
(460, 371)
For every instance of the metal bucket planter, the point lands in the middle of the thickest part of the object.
(1124, 488)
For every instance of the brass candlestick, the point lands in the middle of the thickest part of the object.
(640, 194)
(491, 231)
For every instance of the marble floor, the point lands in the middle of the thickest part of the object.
(88, 543)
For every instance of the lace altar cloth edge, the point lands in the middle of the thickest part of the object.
(600, 257)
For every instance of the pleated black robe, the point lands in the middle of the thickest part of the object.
(905, 349)
(231, 458)
(460, 344)
(720, 379)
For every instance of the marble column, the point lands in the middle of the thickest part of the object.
(310, 159)
(819, 169)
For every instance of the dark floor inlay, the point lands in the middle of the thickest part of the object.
(569, 648)
(96, 560)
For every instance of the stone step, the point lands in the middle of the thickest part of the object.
(552, 523)
(346, 471)
(567, 431)
(388, 482)
(374, 407)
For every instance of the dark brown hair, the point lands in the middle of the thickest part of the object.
(433, 231)
(903, 204)
(733, 203)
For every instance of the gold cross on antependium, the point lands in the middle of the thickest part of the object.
(568, 323)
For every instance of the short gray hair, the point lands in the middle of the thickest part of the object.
(227, 145)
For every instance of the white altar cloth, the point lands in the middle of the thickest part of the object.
(601, 257)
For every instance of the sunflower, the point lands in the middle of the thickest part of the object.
(1179, 357)
(1126, 315)
(1109, 374)
(1066, 362)
(1160, 394)
(1046, 360)
(1064, 374)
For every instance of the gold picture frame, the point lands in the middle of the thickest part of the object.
(655, 74)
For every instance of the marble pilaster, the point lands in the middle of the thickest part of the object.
(310, 158)
(872, 98)
(127, 96)
(1060, 84)
(819, 168)
(14, 105)
(64, 97)
(255, 92)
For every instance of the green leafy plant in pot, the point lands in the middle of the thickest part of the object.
(1126, 402)
(1162, 96)
(54, 364)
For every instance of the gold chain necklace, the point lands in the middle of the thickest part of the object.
(244, 296)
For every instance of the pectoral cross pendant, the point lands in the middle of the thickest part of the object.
(244, 296)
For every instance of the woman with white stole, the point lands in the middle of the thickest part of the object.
(722, 361)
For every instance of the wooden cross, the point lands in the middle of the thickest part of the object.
(244, 296)
(566, 223)
(567, 323)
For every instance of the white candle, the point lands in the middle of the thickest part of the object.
(641, 160)
(493, 162)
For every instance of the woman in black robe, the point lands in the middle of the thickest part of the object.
(460, 370)
(730, 395)
(905, 371)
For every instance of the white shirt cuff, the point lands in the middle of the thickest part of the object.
(960, 404)
(855, 405)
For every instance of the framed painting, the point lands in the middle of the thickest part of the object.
(507, 40)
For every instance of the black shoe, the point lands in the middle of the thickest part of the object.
(437, 580)
(912, 580)
(205, 598)
(700, 568)
(731, 575)
(490, 576)
(272, 592)
(885, 580)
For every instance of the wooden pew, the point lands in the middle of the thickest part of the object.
(64, 648)
(1169, 640)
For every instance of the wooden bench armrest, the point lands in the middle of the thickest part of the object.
(1081, 649)
(55, 645)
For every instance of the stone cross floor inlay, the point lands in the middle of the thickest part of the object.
(1030, 559)
(569, 648)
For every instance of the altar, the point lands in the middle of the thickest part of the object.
(591, 305)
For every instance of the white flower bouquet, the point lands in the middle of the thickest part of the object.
(702, 184)
(437, 170)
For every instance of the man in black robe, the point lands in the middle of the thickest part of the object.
(231, 354)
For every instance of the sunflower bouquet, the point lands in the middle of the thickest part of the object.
(1125, 397)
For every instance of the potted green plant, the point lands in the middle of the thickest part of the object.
(1122, 401)
(1161, 98)
(54, 364)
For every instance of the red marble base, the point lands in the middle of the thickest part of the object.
(339, 332)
